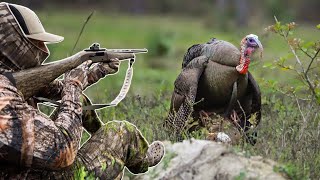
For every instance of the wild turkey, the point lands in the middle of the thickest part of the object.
(215, 78)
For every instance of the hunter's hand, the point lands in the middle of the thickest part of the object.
(100, 70)
(79, 75)
(111, 67)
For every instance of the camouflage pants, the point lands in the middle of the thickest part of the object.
(115, 145)
(112, 146)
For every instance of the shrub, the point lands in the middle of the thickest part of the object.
(290, 128)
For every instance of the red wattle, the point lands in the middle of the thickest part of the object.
(248, 51)
(245, 68)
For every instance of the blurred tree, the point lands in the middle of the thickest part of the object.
(234, 11)
(33, 4)
(308, 11)
(281, 9)
(221, 15)
(138, 6)
(241, 12)
(225, 11)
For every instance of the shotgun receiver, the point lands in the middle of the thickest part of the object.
(31, 81)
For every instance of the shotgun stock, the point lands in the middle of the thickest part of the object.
(31, 81)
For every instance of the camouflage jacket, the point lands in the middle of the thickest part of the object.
(31, 139)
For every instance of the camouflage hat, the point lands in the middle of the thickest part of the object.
(31, 25)
(17, 51)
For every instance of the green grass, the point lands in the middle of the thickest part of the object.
(114, 31)
(148, 100)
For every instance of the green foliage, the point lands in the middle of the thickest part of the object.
(289, 131)
(287, 137)
(198, 134)
(147, 113)
(160, 43)
(302, 60)
(290, 171)
(241, 176)
(45, 109)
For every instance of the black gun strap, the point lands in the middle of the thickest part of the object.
(122, 94)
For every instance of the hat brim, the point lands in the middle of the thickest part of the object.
(46, 37)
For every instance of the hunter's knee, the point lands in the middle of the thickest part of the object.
(116, 126)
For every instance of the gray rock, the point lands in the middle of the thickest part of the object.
(201, 160)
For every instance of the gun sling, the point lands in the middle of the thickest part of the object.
(122, 94)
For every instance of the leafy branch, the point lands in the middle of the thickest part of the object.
(310, 50)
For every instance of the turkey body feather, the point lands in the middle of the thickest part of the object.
(208, 75)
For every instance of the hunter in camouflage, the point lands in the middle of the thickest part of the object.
(31, 142)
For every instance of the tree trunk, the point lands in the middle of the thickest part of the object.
(241, 7)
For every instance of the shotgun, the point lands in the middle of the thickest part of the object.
(30, 81)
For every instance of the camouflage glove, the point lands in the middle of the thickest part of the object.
(100, 70)
(78, 76)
